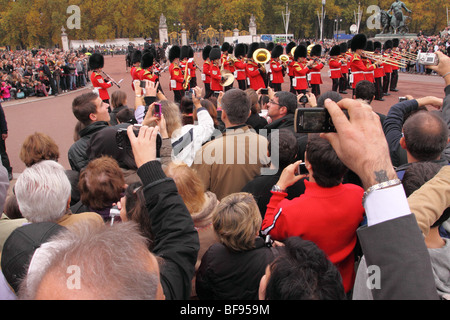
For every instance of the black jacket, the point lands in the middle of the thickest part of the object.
(176, 240)
(230, 275)
(78, 158)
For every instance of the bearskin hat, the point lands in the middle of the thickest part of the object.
(136, 57)
(96, 61)
(254, 46)
(277, 51)
(358, 42)
(184, 52)
(240, 50)
(206, 51)
(377, 46)
(316, 51)
(388, 45)
(174, 53)
(395, 42)
(335, 51)
(214, 54)
(369, 46)
(147, 60)
(191, 52)
(270, 46)
(290, 46)
(230, 49)
(300, 52)
(225, 47)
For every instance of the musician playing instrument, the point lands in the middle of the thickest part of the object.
(216, 68)
(289, 65)
(96, 63)
(240, 66)
(185, 66)
(378, 74)
(301, 68)
(277, 69)
(176, 73)
(192, 68)
(387, 68)
(136, 66)
(316, 68)
(206, 72)
(396, 56)
(369, 75)
(345, 60)
(255, 71)
(357, 66)
(335, 64)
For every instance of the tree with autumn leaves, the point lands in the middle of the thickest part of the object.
(29, 23)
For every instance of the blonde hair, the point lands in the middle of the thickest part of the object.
(237, 221)
(172, 115)
(190, 186)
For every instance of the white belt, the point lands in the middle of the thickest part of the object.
(315, 73)
(369, 72)
(300, 77)
(335, 69)
(240, 70)
(357, 72)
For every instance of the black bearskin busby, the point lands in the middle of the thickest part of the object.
(147, 60)
(316, 51)
(252, 48)
(240, 50)
(277, 51)
(358, 42)
(214, 54)
(96, 61)
(300, 52)
(174, 53)
(206, 51)
(335, 51)
(289, 47)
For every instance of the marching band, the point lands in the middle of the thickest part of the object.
(255, 66)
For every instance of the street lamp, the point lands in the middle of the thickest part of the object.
(177, 24)
(323, 18)
(337, 20)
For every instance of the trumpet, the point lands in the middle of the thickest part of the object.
(113, 81)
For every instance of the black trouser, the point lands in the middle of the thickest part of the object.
(394, 79)
(208, 91)
(276, 86)
(343, 83)
(315, 89)
(292, 87)
(335, 85)
(386, 82)
(178, 94)
(242, 84)
(378, 88)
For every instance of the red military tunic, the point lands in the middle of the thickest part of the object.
(277, 71)
(148, 75)
(240, 72)
(216, 77)
(101, 85)
(254, 76)
(300, 71)
(206, 75)
(176, 77)
(369, 75)
(335, 68)
(315, 74)
(358, 68)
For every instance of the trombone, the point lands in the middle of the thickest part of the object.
(383, 59)
(113, 81)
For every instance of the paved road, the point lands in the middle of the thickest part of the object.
(53, 115)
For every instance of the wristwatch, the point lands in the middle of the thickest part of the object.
(276, 188)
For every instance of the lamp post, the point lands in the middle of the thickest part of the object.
(177, 24)
(337, 20)
(322, 19)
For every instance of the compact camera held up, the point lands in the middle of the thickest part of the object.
(428, 59)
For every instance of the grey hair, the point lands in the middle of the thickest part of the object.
(43, 191)
(111, 260)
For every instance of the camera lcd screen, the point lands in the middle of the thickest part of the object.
(314, 121)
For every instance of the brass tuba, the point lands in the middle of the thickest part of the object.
(261, 56)
(284, 58)
(227, 78)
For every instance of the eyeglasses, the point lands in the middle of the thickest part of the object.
(273, 102)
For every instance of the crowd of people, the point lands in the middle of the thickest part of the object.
(204, 198)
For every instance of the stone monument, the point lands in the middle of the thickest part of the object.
(64, 40)
(395, 25)
(163, 34)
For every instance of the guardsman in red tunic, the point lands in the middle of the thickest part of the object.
(240, 66)
(334, 71)
(289, 69)
(176, 74)
(395, 68)
(216, 74)
(315, 77)
(345, 59)
(224, 62)
(192, 68)
(185, 66)
(357, 66)
(301, 68)
(147, 66)
(369, 75)
(387, 68)
(255, 71)
(136, 66)
(276, 67)
(378, 74)
(206, 72)
(96, 63)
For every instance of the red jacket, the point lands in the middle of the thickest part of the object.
(335, 68)
(216, 77)
(277, 71)
(328, 217)
(102, 86)
(358, 69)
(255, 77)
(206, 75)
(300, 72)
(240, 67)
(148, 75)
(176, 77)
(315, 73)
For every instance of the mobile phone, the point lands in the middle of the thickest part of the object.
(302, 169)
(189, 94)
(157, 110)
(400, 99)
(142, 83)
(313, 120)
(264, 91)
